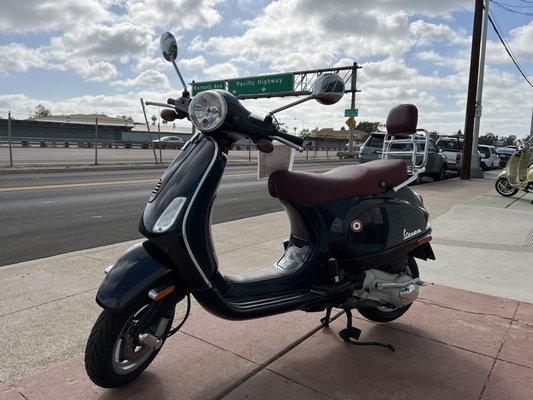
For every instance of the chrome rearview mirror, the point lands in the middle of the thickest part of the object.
(168, 46)
(328, 89)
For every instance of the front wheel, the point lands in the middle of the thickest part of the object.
(114, 355)
(384, 314)
(503, 187)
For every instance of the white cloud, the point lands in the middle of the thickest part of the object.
(19, 58)
(149, 77)
(175, 14)
(522, 42)
(220, 71)
(430, 55)
(193, 63)
(98, 71)
(31, 15)
(293, 34)
(425, 33)
(118, 41)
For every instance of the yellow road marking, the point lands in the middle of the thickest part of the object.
(116, 183)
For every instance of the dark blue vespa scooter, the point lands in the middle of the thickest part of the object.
(355, 233)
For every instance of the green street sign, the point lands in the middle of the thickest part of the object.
(351, 112)
(198, 87)
(266, 84)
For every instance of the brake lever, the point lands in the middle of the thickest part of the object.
(288, 143)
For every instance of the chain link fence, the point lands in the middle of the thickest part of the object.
(63, 141)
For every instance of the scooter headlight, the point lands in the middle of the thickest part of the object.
(208, 110)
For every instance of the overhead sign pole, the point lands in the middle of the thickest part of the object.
(297, 83)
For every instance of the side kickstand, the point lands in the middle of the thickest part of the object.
(351, 334)
(327, 317)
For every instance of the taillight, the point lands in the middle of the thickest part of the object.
(420, 198)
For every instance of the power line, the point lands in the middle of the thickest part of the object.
(508, 49)
(507, 8)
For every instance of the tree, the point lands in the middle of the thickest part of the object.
(125, 118)
(41, 111)
(459, 132)
(434, 135)
(488, 138)
(305, 133)
(282, 127)
(509, 140)
(368, 127)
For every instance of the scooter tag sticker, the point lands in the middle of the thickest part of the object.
(357, 225)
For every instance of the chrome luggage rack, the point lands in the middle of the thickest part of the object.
(416, 158)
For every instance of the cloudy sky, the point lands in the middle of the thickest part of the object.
(84, 56)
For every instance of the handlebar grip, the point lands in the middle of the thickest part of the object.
(291, 138)
(171, 101)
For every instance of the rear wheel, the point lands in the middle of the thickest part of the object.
(114, 355)
(384, 314)
(503, 187)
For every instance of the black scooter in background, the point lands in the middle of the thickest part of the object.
(355, 233)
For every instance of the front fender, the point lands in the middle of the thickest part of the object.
(502, 174)
(142, 268)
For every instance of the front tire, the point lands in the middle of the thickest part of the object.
(379, 315)
(112, 357)
(504, 188)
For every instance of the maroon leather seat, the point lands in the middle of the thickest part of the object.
(340, 183)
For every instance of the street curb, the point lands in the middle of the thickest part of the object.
(115, 167)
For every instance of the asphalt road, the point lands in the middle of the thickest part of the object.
(43, 214)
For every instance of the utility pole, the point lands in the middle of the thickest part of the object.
(354, 86)
(475, 170)
(531, 126)
(472, 89)
(96, 141)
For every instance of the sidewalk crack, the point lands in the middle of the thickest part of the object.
(487, 379)
(301, 384)
(47, 302)
(512, 319)
(272, 359)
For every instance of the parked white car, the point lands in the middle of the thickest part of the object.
(452, 148)
(169, 142)
(488, 158)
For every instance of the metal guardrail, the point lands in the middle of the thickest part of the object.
(28, 141)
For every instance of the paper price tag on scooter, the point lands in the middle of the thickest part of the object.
(281, 158)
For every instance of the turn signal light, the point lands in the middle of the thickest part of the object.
(158, 294)
(420, 198)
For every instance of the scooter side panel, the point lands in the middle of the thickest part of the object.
(374, 224)
(191, 180)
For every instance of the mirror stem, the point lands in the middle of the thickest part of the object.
(310, 97)
(179, 75)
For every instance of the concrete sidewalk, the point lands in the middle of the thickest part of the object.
(451, 344)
